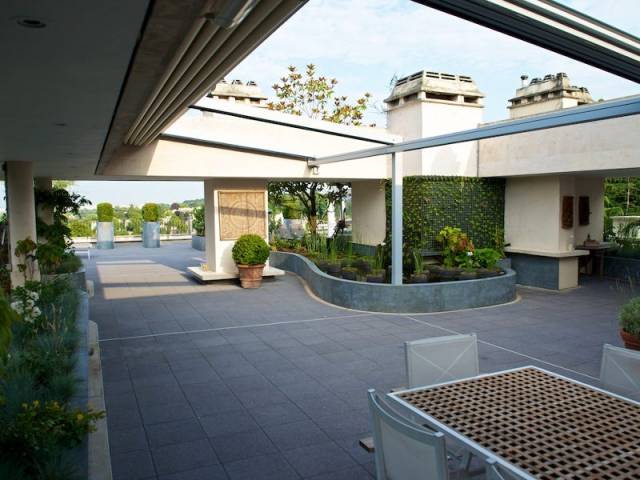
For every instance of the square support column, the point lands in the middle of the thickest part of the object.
(21, 213)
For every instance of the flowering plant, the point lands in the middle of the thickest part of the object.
(458, 247)
(24, 303)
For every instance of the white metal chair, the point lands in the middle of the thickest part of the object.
(494, 471)
(620, 369)
(405, 451)
(441, 359)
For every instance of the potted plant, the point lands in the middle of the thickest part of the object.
(457, 247)
(419, 275)
(198, 239)
(378, 273)
(250, 252)
(630, 324)
(151, 227)
(349, 273)
(486, 260)
(104, 227)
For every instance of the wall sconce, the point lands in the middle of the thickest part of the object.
(315, 170)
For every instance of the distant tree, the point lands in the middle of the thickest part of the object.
(314, 96)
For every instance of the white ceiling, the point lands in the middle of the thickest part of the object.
(60, 84)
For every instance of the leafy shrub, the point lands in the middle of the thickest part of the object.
(486, 257)
(458, 248)
(630, 317)
(150, 212)
(198, 221)
(38, 427)
(105, 212)
(80, 228)
(250, 249)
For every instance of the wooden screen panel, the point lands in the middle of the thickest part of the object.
(545, 425)
(567, 212)
(241, 212)
(584, 211)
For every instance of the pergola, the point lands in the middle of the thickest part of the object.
(541, 22)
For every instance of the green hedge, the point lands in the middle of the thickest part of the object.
(150, 212)
(475, 205)
(105, 212)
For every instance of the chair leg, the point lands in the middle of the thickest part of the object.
(367, 444)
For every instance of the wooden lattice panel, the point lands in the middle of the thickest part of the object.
(241, 212)
(547, 426)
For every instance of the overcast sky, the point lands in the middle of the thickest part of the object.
(364, 43)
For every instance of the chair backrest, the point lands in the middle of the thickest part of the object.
(495, 471)
(441, 359)
(404, 450)
(620, 369)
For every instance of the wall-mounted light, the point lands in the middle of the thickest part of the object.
(315, 170)
(232, 13)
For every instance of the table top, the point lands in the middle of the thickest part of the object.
(544, 424)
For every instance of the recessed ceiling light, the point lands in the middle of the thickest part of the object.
(30, 22)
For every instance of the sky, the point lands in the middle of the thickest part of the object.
(365, 43)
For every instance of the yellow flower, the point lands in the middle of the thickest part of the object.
(79, 417)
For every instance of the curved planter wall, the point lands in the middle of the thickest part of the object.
(411, 298)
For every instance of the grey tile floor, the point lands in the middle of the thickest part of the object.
(216, 382)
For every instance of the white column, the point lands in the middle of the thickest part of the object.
(396, 219)
(21, 212)
(209, 224)
(45, 213)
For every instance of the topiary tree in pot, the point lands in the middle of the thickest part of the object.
(104, 227)
(630, 323)
(250, 252)
(150, 227)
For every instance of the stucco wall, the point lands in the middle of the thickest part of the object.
(417, 119)
(532, 213)
(604, 145)
(219, 257)
(368, 212)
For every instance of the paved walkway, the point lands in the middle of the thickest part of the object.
(216, 382)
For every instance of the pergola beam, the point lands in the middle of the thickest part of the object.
(571, 116)
(555, 27)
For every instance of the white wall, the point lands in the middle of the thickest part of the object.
(606, 145)
(457, 160)
(368, 212)
(533, 209)
(532, 213)
(219, 257)
(419, 119)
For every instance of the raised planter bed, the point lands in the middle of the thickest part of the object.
(410, 298)
(622, 268)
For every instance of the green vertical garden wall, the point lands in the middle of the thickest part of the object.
(476, 205)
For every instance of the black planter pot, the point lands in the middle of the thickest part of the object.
(489, 272)
(468, 275)
(419, 278)
(322, 265)
(334, 269)
(446, 273)
(375, 278)
(349, 274)
(362, 265)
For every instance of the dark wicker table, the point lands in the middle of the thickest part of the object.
(535, 423)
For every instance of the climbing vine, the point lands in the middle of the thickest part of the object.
(475, 205)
